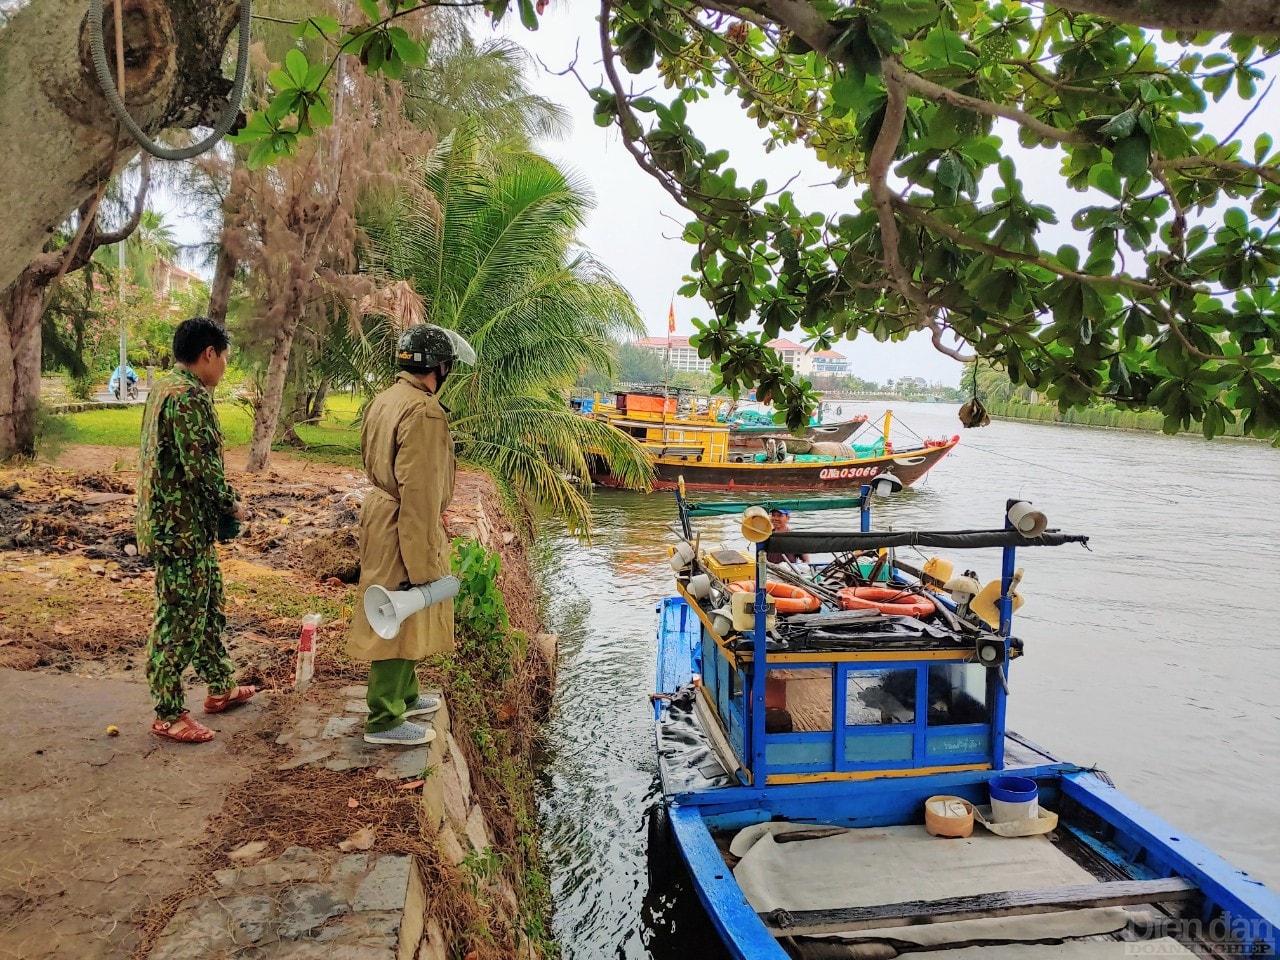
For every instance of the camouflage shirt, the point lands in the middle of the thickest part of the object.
(182, 490)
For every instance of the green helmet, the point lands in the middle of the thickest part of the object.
(424, 347)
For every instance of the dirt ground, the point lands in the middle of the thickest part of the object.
(96, 829)
(99, 833)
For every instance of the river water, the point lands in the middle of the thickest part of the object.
(1155, 654)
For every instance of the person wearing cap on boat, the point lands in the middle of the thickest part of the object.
(780, 520)
(408, 454)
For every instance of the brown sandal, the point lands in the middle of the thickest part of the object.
(232, 698)
(190, 731)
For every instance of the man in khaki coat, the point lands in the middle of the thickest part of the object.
(408, 455)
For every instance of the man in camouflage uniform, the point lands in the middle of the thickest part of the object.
(184, 506)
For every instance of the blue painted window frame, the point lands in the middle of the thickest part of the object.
(921, 733)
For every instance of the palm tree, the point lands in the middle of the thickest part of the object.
(152, 242)
(489, 249)
(484, 84)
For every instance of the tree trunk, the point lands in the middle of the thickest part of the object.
(266, 413)
(315, 411)
(224, 272)
(20, 309)
(299, 401)
(60, 141)
(22, 305)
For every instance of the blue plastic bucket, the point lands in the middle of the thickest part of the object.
(1014, 798)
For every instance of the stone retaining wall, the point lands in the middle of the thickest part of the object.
(311, 904)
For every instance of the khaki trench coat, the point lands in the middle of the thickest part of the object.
(408, 455)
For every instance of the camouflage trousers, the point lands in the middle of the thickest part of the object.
(187, 631)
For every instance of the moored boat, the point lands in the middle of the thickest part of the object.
(698, 446)
(842, 783)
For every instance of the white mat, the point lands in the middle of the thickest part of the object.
(882, 865)
(1079, 950)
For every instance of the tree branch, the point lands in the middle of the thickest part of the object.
(801, 18)
(626, 119)
(1269, 173)
(882, 153)
(956, 235)
(934, 91)
(935, 332)
(741, 12)
(1257, 17)
(53, 266)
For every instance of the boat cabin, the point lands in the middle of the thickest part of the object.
(901, 700)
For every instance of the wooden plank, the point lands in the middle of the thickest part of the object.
(1015, 903)
(710, 723)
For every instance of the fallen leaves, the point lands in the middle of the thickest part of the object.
(362, 839)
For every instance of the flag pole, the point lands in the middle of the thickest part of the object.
(666, 367)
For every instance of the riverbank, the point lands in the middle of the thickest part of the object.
(286, 836)
(1107, 417)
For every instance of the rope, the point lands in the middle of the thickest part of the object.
(1066, 473)
(220, 129)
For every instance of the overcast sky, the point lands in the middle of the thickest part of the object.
(635, 228)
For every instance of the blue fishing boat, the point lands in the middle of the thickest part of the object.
(838, 778)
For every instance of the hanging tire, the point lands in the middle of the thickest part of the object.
(661, 847)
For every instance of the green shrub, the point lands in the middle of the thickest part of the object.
(82, 387)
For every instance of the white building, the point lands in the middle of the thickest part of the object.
(685, 358)
(830, 363)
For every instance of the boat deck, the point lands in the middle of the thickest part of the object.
(803, 887)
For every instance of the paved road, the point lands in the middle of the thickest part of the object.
(103, 396)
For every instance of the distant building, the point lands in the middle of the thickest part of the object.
(919, 382)
(168, 279)
(830, 363)
(685, 358)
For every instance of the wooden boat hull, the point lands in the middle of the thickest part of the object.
(838, 475)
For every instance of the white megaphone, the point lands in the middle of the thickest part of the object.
(387, 609)
(1024, 519)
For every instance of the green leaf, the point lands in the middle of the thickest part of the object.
(1217, 84)
(262, 154)
(295, 64)
(393, 66)
(376, 52)
(1261, 147)
(1106, 179)
(950, 171)
(1236, 219)
(321, 24)
(409, 50)
(282, 104)
(280, 81)
(370, 8)
(528, 15)
(1119, 126)
(319, 114)
(1131, 155)
(908, 16)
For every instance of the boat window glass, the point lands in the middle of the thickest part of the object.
(798, 701)
(958, 694)
(880, 696)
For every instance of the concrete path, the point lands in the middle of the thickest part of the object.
(95, 829)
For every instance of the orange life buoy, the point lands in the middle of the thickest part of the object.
(888, 600)
(787, 598)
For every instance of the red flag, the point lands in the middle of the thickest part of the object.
(671, 318)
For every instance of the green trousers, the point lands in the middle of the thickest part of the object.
(393, 688)
(187, 631)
